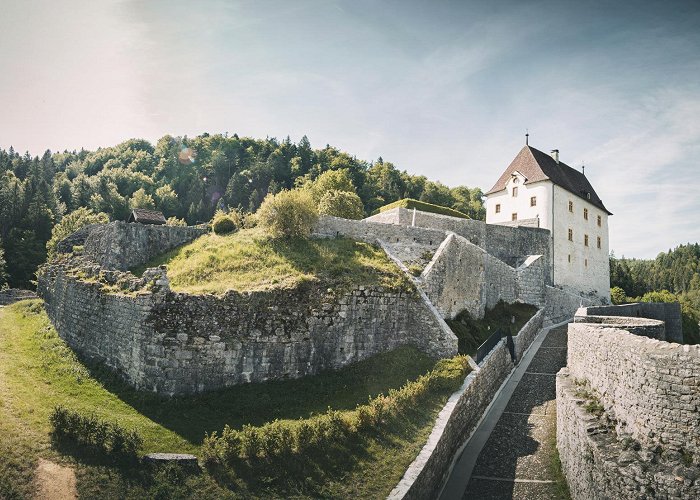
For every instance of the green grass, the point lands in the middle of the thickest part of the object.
(471, 333)
(410, 203)
(250, 260)
(38, 371)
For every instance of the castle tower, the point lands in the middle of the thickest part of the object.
(538, 189)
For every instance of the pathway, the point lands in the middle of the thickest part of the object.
(517, 458)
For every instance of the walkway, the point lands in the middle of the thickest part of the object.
(514, 458)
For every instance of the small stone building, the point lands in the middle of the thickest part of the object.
(144, 216)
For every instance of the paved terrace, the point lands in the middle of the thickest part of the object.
(511, 453)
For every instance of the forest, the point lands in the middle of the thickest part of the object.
(671, 276)
(187, 178)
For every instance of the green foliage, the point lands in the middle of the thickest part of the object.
(141, 199)
(88, 431)
(3, 271)
(333, 428)
(251, 260)
(341, 204)
(331, 180)
(617, 295)
(471, 333)
(288, 214)
(70, 223)
(223, 223)
(423, 206)
(174, 221)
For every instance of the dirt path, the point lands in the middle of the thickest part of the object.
(54, 481)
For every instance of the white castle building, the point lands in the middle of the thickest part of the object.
(539, 190)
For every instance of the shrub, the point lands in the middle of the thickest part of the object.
(288, 214)
(223, 224)
(90, 432)
(341, 204)
(70, 223)
(174, 221)
(330, 180)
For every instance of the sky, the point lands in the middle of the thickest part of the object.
(444, 89)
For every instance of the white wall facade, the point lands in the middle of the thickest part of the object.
(584, 268)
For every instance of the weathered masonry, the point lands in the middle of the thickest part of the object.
(628, 407)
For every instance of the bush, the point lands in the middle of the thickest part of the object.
(174, 221)
(223, 224)
(288, 214)
(89, 431)
(341, 204)
(410, 203)
(330, 180)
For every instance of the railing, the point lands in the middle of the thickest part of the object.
(491, 342)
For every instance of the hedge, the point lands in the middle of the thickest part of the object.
(410, 203)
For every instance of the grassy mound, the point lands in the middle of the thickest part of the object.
(471, 333)
(410, 203)
(250, 260)
(38, 372)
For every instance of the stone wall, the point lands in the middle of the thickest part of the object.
(643, 327)
(668, 313)
(651, 386)
(459, 417)
(121, 245)
(601, 464)
(12, 295)
(508, 244)
(562, 304)
(178, 343)
(530, 283)
(527, 334)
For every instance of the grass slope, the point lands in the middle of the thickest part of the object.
(250, 260)
(38, 371)
(471, 333)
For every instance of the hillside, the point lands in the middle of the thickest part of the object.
(250, 260)
(38, 371)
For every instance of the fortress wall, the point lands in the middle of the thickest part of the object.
(642, 327)
(600, 464)
(669, 313)
(563, 304)
(530, 281)
(652, 387)
(178, 343)
(462, 276)
(12, 295)
(121, 245)
(508, 244)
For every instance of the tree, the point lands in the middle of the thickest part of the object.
(167, 201)
(3, 271)
(289, 214)
(341, 204)
(617, 295)
(70, 224)
(331, 180)
(141, 199)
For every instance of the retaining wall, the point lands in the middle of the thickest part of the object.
(669, 313)
(178, 343)
(12, 295)
(121, 245)
(563, 304)
(601, 464)
(651, 386)
(427, 474)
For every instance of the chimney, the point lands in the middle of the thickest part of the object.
(555, 155)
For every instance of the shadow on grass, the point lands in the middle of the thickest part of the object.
(191, 417)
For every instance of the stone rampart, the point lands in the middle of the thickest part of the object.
(562, 304)
(459, 417)
(643, 327)
(652, 387)
(530, 279)
(176, 343)
(669, 313)
(601, 464)
(508, 244)
(121, 245)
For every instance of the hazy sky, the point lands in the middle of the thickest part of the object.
(444, 89)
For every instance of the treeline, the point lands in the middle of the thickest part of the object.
(672, 276)
(187, 178)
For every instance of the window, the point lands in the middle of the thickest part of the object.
(515, 191)
(498, 208)
(514, 216)
(600, 221)
(533, 201)
(571, 206)
(585, 239)
(585, 262)
(585, 213)
(571, 235)
(599, 241)
(516, 180)
(569, 258)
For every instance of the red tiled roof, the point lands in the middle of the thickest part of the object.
(538, 166)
